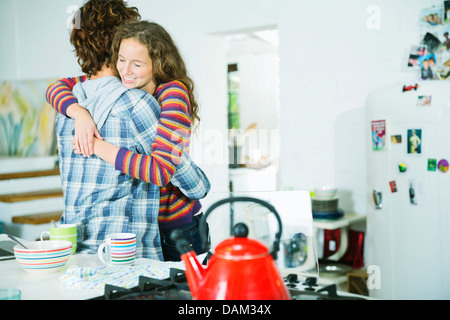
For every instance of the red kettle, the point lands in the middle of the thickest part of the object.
(240, 269)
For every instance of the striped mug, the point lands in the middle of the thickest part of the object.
(120, 249)
(66, 232)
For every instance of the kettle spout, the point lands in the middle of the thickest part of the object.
(195, 272)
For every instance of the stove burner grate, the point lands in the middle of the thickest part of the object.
(176, 288)
(173, 288)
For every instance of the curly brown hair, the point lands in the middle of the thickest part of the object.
(168, 65)
(95, 25)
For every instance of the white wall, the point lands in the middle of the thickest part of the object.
(329, 61)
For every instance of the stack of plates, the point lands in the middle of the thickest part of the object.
(326, 208)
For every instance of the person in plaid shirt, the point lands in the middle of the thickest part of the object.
(99, 199)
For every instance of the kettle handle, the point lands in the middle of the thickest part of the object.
(276, 243)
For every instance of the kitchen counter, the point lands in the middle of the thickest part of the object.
(47, 286)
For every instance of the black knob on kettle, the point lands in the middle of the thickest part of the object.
(240, 230)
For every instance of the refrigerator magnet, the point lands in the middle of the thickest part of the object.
(443, 165)
(393, 186)
(396, 138)
(410, 87)
(412, 192)
(414, 138)
(431, 165)
(378, 134)
(424, 101)
(402, 167)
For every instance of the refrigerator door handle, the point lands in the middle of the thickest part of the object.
(377, 199)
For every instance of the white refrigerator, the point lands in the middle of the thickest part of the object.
(408, 181)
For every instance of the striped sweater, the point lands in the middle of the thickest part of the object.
(172, 136)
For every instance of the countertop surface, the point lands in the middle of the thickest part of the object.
(47, 286)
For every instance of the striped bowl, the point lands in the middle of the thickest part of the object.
(43, 256)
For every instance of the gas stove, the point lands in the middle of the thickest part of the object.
(176, 288)
(311, 290)
(173, 288)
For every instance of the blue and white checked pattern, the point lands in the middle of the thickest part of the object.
(101, 200)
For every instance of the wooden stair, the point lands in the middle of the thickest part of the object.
(40, 218)
(28, 196)
(29, 174)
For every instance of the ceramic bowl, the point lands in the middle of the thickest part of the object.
(43, 256)
(325, 193)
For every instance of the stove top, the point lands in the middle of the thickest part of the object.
(176, 288)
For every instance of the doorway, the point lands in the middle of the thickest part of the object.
(253, 108)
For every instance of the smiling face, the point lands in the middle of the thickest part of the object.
(135, 66)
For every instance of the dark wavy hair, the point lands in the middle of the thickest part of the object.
(94, 27)
(168, 65)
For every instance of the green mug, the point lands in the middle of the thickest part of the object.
(66, 232)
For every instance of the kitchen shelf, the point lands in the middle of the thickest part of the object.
(345, 221)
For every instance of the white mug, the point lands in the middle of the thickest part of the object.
(120, 249)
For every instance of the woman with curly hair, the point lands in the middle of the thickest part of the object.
(147, 58)
(94, 28)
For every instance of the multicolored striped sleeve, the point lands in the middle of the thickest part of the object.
(172, 137)
(59, 94)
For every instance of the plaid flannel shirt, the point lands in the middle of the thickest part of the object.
(102, 200)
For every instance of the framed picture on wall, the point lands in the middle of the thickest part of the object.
(27, 122)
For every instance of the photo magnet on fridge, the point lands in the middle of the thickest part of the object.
(424, 101)
(446, 11)
(396, 138)
(444, 36)
(414, 138)
(427, 67)
(414, 55)
(378, 134)
(393, 186)
(432, 16)
(431, 165)
(431, 41)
